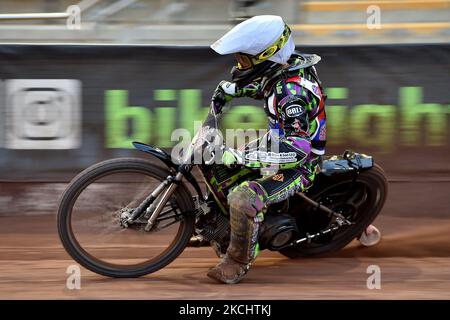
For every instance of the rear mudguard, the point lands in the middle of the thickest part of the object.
(165, 158)
(334, 167)
(350, 162)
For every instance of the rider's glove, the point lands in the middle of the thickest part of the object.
(224, 92)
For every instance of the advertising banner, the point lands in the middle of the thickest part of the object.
(65, 107)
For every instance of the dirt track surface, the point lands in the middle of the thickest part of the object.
(414, 257)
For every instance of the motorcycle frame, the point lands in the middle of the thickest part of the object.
(351, 163)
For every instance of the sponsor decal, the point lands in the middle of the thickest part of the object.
(43, 113)
(278, 177)
(294, 110)
(271, 157)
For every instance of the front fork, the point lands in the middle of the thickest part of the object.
(153, 210)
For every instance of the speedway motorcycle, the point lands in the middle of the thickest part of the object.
(129, 217)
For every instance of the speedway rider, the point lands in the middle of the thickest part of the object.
(269, 69)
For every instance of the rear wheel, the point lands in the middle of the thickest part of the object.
(359, 201)
(89, 219)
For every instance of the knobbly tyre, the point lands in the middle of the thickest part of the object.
(129, 217)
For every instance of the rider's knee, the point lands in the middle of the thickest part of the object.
(247, 198)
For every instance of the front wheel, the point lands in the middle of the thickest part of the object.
(360, 201)
(89, 219)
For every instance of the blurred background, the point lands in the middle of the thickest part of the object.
(199, 22)
(80, 80)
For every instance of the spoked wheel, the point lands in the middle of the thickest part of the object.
(89, 219)
(358, 201)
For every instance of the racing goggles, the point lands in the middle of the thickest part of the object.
(246, 61)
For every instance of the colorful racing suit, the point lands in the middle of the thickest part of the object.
(295, 108)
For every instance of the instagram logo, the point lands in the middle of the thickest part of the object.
(43, 114)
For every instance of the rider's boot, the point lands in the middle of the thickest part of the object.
(240, 253)
(243, 248)
(370, 237)
(229, 271)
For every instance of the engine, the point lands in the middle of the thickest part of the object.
(277, 230)
(217, 229)
(213, 228)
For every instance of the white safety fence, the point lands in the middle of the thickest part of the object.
(72, 16)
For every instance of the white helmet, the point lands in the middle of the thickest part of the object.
(255, 42)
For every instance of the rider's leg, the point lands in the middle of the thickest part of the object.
(247, 202)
